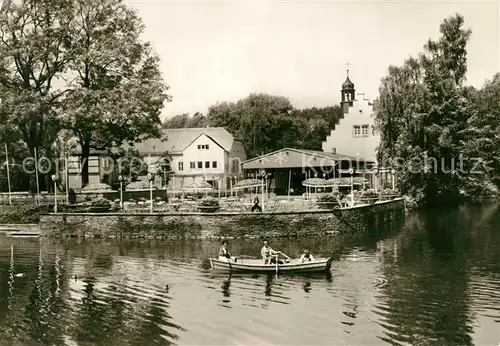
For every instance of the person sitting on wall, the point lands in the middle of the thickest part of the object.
(256, 205)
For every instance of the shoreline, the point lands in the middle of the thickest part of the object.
(219, 225)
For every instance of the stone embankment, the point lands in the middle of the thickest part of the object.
(220, 225)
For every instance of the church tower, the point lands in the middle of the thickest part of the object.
(348, 94)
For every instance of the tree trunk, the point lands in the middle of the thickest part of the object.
(32, 177)
(84, 159)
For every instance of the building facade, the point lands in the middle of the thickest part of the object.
(287, 168)
(352, 143)
(355, 134)
(100, 168)
(208, 154)
(196, 154)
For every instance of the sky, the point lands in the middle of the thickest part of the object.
(216, 51)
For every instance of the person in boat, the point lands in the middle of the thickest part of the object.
(256, 205)
(224, 254)
(306, 257)
(269, 255)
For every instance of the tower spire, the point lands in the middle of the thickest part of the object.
(347, 68)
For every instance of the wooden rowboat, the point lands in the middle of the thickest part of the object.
(257, 265)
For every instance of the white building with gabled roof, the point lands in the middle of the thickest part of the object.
(355, 134)
(208, 154)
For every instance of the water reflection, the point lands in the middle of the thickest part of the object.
(427, 281)
(225, 289)
(269, 284)
(427, 296)
(11, 278)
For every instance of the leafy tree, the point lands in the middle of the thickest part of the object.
(226, 115)
(184, 120)
(80, 65)
(422, 115)
(483, 135)
(299, 128)
(118, 91)
(313, 125)
(129, 163)
(164, 168)
(177, 122)
(256, 119)
(34, 53)
(19, 179)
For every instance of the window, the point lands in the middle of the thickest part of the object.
(200, 164)
(214, 164)
(192, 165)
(364, 130)
(206, 146)
(199, 146)
(180, 165)
(207, 164)
(357, 130)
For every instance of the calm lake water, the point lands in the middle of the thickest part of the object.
(432, 279)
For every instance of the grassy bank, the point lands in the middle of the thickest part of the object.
(22, 213)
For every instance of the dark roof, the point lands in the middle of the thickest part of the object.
(347, 84)
(176, 140)
(315, 153)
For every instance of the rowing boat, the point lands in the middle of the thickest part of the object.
(257, 265)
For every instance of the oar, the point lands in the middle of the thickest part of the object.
(247, 257)
(277, 260)
(285, 255)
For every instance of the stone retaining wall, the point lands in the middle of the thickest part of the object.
(219, 225)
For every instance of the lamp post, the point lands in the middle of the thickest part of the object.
(351, 172)
(54, 179)
(120, 178)
(324, 188)
(315, 188)
(307, 188)
(263, 175)
(218, 185)
(393, 171)
(66, 177)
(375, 181)
(150, 178)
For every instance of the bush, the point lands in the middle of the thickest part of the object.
(138, 185)
(327, 198)
(101, 202)
(389, 192)
(23, 213)
(327, 201)
(369, 194)
(96, 188)
(209, 202)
